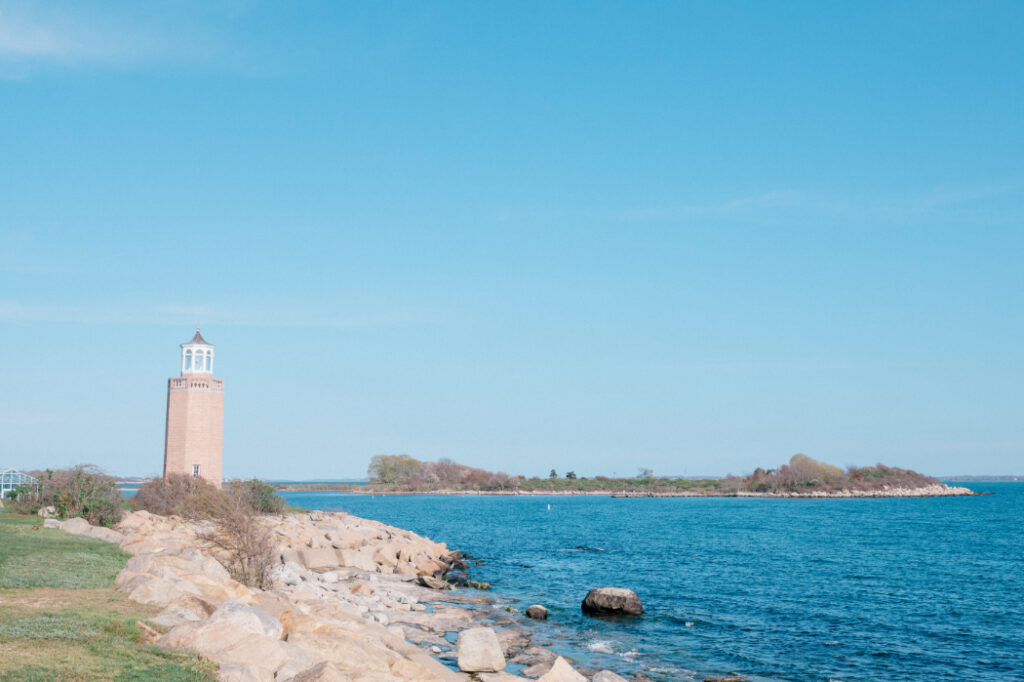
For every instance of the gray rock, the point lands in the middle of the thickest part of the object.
(77, 526)
(513, 639)
(106, 534)
(479, 651)
(612, 601)
(434, 583)
(537, 612)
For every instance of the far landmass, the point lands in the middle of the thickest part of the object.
(803, 476)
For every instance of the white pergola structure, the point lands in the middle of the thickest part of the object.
(11, 479)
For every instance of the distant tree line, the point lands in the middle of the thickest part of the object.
(801, 474)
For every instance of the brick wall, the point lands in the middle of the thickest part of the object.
(195, 426)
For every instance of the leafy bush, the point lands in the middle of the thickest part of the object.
(82, 490)
(260, 496)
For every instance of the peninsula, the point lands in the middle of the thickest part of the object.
(801, 477)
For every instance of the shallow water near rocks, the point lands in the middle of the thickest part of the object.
(844, 589)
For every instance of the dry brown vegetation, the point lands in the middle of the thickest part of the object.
(233, 532)
(804, 473)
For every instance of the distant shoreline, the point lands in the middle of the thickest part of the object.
(940, 490)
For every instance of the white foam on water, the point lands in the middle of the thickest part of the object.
(600, 646)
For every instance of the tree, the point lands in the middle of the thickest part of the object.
(646, 474)
(571, 475)
(553, 474)
(448, 471)
(393, 469)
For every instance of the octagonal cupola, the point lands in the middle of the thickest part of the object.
(197, 356)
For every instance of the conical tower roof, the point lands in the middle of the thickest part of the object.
(198, 338)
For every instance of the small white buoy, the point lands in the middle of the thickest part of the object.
(549, 507)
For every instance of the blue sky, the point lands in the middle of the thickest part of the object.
(695, 237)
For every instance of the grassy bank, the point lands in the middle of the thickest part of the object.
(61, 619)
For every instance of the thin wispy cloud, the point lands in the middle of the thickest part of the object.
(279, 315)
(34, 36)
(994, 202)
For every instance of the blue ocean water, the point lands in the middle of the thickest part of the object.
(844, 589)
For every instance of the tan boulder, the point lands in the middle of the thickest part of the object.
(318, 558)
(296, 662)
(236, 634)
(105, 534)
(348, 654)
(321, 672)
(188, 608)
(234, 672)
(405, 669)
(606, 676)
(356, 559)
(479, 651)
(359, 587)
(387, 554)
(561, 671)
(146, 589)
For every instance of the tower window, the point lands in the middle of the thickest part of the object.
(195, 471)
(209, 359)
(188, 360)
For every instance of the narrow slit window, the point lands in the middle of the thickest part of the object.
(195, 471)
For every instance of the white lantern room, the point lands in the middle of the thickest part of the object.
(197, 356)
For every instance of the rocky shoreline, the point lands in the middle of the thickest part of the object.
(347, 602)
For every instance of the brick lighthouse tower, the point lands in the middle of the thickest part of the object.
(194, 442)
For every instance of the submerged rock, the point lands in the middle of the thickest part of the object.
(537, 612)
(612, 601)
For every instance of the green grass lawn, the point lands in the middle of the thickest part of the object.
(61, 619)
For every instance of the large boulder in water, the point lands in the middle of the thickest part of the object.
(611, 601)
(479, 651)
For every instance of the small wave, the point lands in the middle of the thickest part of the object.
(630, 655)
(689, 623)
(584, 548)
(600, 646)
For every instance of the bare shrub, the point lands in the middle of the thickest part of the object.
(234, 533)
(175, 495)
(240, 542)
